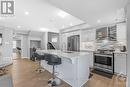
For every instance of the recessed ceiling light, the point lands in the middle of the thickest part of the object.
(26, 13)
(63, 26)
(19, 26)
(52, 20)
(44, 29)
(98, 21)
(62, 14)
(71, 24)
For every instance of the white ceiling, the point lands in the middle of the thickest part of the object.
(37, 14)
(94, 12)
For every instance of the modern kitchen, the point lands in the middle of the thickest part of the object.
(60, 46)
(102, 49)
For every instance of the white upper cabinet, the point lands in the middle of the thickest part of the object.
(73, 33)
(88, 35)
(63, 41)
(88, 38)
(76, 32)
(69, 34)
(121, 32)
(93, 35)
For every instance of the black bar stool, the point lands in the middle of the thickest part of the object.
(53, 60)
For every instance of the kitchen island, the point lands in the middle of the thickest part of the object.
(74, 69)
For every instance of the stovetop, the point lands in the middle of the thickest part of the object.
(104, 52)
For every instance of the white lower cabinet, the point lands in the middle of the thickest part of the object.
(120, 63)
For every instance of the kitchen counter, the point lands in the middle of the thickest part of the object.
(74, 69)
(64, 54)
(120, 52)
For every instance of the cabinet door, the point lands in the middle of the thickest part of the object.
(76, 32)
(120, 63)
(63, 41)
(92, 35)
(88, 35)
(69, 34)
(112, 35)
(121, 32)
(84, 36)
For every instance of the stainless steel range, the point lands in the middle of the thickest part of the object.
(104, 61)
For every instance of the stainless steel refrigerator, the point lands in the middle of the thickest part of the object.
(73, 43)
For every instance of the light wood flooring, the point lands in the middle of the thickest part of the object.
(24, 75)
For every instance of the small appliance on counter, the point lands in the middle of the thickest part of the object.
(120, 49)
(123, 48)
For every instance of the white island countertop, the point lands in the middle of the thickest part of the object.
(64, 54)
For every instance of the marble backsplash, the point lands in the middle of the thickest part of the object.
(115, 45)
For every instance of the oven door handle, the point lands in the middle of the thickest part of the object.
(103, 55)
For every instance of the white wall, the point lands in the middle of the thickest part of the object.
(128, 39)
(24, 46)
(41, 38)
(18, 43)
(44, 41)
(7, 44)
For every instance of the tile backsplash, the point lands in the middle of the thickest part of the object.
(115, 45)
(87, 46)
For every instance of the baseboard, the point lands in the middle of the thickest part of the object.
(9, 63)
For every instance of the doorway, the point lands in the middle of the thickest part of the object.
(16, 49)
(34, 44)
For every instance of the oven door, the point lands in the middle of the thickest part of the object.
(106, 60)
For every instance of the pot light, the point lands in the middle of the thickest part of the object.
(26, 13)
(19, 26)
(63, 26)
(62, 14)
(98, 21)
(44, 29)
(71, 24)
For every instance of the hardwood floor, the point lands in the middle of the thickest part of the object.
(24, 75)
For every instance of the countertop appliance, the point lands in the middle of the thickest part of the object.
(104, 61)
(123, 48)
(73, 43)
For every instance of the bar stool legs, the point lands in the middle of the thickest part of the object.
(54, 81)
(53, 60)
(39, 69)
(3, 71)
